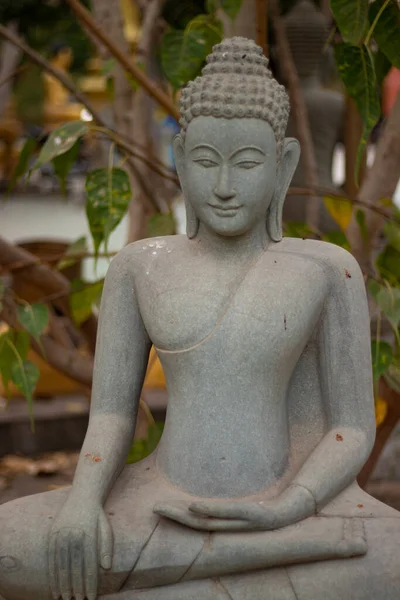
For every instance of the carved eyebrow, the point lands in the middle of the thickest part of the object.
(205, 147)
(254, 148)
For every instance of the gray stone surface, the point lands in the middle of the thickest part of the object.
(251, 493)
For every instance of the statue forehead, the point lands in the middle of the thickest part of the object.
(227, 135)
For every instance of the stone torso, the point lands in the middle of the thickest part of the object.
(229, 343)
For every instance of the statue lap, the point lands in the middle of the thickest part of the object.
(27, 522)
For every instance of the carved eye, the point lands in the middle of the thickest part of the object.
(247, 164)
(206, 162)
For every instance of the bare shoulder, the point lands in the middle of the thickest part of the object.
(138, 256)
(334, 260)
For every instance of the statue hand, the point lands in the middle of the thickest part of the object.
(295, 504)
(81, 538)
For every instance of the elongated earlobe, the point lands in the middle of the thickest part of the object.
(192, 222)
(287, 166)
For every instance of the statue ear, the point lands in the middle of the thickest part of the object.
(286, 168)
(192, 222)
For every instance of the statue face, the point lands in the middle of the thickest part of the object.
(229, 172)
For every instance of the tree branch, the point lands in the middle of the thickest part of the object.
(52, 283)
(300, 113)
(153, 90)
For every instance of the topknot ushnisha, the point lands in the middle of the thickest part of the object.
(246, 88)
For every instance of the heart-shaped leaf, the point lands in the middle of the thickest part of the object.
(385, 18)
(82, 301)
(108, 193)
(340, 209)
(25, 376)
(34, 318)
(351, 17)
(356, 69)
(60, 141)
(183, 52)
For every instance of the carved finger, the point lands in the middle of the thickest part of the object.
(76, 548)
(53, 574)
(226, 510)
(63, 559)
(91, 567)
(198, 522)
(106, 542)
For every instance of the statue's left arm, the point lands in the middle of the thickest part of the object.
(346, 381)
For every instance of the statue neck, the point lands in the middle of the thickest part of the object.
(243, 246)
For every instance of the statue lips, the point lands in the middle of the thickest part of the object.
(225, 211)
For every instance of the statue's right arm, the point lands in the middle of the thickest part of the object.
(122, 349)
(121, 357)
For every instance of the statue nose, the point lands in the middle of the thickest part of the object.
(224, 188)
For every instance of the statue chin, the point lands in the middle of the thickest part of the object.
(252, 492)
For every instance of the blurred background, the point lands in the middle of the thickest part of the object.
(90, 91)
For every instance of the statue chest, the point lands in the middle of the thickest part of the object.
(272, 310)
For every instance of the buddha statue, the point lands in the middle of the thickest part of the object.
(58, 107)
(265, 345)
(307, 31)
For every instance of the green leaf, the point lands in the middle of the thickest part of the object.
(340, 209)
(141, 448)
(362, 223)
(388, 264)
(161, 224)
(63, 164)
(388, 300)
(231, 8)
(108, 193)
(2, 288)
(387, 28)
(81, 302)
(23, 163)
(351, 17)
(183, 52)
(25, 376)
(73, 253)
(60, 141)
(392, 231)
(13, 344)
(297, 230)
(337, 237)
(382, 356)
(34, 318)
(382, 66)
(356, 69)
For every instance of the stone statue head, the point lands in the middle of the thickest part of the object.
(233, 160)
